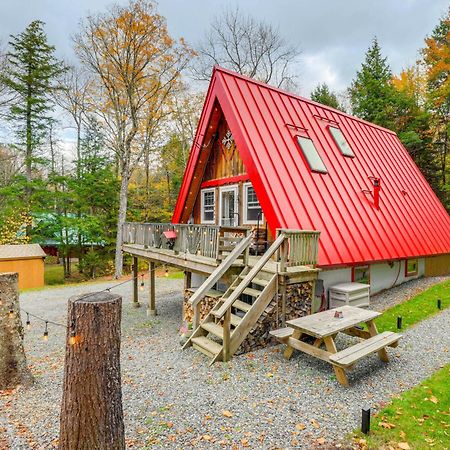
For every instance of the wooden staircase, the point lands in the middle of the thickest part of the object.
(223, 330)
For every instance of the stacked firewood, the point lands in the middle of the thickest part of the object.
(205, 307)
(298, 304)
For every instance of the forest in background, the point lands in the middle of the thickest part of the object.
(133, 98)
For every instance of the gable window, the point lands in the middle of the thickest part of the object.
(312, 156)
(341, 142)
(411, 267)
(252, 208)
(208, 205)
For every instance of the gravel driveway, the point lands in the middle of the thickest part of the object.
(173, 399)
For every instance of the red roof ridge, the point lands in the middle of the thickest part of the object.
(218, 68)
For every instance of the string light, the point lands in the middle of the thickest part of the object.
(11, 314)
(45, 336)
(1, 302)
(28, 323)
(142, 282)
(73, 335)
(167, 272)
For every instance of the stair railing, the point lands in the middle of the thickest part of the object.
(216, 275)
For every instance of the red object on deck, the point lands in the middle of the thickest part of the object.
(408, 219)
(170, 234)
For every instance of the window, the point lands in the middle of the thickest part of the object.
(361, 274)
(341, 142)
(312, 156)
(252, 208)
(411, 267)
(208, 205)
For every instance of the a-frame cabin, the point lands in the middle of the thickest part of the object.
(267, 174)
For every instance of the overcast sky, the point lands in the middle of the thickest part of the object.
(333, 35)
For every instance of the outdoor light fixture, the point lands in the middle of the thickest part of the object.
(399, 322)
(167, 272)
(365, 421)
(28, 322)
(142, 282)
(45, 336)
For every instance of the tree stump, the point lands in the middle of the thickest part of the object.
(13, 362)
(91, 410)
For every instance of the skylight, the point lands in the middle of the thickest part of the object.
(312, 156)
(341, 142)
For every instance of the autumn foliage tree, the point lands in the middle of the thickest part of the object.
(136, 69)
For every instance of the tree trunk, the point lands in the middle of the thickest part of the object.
(91, 410)
(13, 363)
(123, 203)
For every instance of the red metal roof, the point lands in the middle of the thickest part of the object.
(265, 121)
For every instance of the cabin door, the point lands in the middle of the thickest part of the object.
(229, 216)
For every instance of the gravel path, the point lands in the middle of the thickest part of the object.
(173, 399)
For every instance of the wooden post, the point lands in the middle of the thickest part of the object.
(91, 410)
(196, 319)
(136, 303)
(151, 292)
(13, 363)
(226, 335)
(187, 280)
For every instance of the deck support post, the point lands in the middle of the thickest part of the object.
(135, 283)
(282, 291)
(226, 335)
(187, 280)
(151, 289)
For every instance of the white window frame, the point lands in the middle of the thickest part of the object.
(246, 221)
(202, 208)
(235, 188)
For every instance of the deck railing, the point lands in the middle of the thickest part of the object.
(202, 240)
(300, 248)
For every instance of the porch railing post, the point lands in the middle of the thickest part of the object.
(226, 335)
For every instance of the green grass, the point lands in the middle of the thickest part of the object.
(419, 417)
(415, 309)
(54, 274)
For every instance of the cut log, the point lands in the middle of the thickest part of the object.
(91, 410)
(13, 363)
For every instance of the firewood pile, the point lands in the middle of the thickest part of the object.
(205, 307)
(298, 304)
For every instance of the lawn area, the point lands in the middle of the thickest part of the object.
(418, 419)
(416, 308)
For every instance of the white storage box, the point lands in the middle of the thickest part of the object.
(353, 294)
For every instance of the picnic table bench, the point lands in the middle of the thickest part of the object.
(324, 327)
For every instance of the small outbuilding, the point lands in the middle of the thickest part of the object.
(25, 259)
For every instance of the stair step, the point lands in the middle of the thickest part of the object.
(235, 320)
(211, 293)
(213, 328)
(250, 291)
(258, 281)
(206, 346)
(242, 305)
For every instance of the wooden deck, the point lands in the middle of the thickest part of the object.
(205, 265)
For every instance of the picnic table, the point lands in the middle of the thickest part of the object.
(323, 328)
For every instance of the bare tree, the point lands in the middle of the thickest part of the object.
(250, 47)
(135, 67)
(72, 98)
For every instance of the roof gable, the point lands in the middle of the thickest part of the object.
(265, 121)
(21, 251)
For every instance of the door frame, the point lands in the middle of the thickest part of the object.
(229, 188)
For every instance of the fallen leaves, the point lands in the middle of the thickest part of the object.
(227, 414)
(403, 446)
(314, 423)
(386, 425)
(300, 426)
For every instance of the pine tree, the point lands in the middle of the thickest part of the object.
(371, 92)
(30, 77)
(324, 95)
